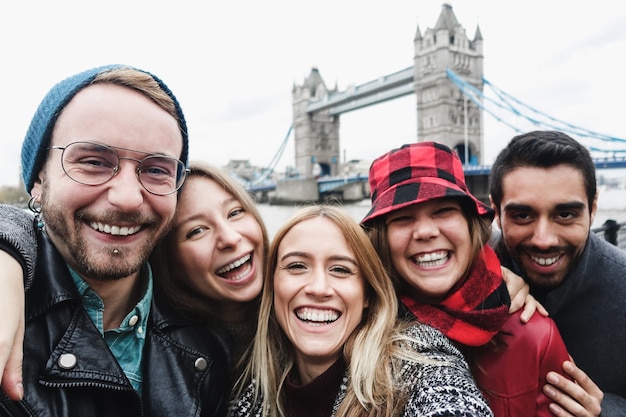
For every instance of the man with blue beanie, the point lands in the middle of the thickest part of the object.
(103, 159)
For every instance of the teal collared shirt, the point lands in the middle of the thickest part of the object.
(127, 341)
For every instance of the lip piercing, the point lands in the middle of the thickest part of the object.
(116, 252)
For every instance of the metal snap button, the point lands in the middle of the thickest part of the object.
(67, 361)
(133, 320)
(201, 364)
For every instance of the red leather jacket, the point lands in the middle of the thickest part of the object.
(512, 377)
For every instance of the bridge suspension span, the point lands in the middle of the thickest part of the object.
(505, 109)
(505, 105)
(269, 169)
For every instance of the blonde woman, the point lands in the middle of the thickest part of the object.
(329, 343)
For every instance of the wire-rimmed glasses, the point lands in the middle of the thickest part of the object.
(91, 163)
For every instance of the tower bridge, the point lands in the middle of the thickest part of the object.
(447, 80)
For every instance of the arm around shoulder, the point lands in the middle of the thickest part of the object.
(12, 329)
(18, 238)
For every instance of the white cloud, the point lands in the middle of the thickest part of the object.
(232, 64)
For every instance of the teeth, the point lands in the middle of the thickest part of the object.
(545, 261)
(432, 259)
(317, 316)
(233, 265)
(114, 230)
(242, 274)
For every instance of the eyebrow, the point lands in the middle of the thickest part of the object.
(573, 205)
(295, 254)
(133, 150)
(308, 256)
(516, 207)
(202, 215)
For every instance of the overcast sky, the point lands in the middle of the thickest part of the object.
(232, 64)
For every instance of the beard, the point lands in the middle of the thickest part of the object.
(100, 262)
(546, 281)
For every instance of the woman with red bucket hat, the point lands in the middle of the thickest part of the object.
(432, 234)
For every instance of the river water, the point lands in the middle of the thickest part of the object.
(611, 205)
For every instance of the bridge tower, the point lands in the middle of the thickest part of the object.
(443, 114)
(316, 135)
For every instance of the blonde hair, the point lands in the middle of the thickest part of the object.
(142, 82)
(373, 351)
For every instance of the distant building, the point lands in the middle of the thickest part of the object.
(242, 169)
(356, 166)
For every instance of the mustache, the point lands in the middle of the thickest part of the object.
(549, 251)
(114, 217)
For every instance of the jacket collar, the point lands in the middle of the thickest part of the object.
(44, 293)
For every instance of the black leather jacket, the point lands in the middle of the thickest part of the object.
(185, 367)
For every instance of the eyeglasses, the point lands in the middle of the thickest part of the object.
(94, 164)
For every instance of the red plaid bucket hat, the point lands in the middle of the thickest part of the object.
(416, 173)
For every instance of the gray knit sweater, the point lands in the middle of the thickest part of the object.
(18, 237)
(445, 389)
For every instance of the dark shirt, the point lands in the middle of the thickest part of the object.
(589, 308)
(315, 399)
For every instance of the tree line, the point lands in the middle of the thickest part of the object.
(14, 195)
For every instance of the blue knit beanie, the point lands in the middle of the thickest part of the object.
(39, 133)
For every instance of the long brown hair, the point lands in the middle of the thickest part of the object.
(479, 229)
(480, 232)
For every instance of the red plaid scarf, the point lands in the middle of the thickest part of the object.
(475, 311)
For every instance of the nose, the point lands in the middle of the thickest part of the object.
(424, 228)
(318, 285)
(227, 236)
(544, 236)
(125, 190)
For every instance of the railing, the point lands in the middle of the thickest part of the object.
(613, 232)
